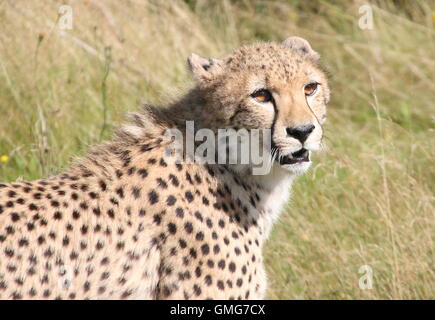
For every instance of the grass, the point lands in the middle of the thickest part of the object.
(368, 200)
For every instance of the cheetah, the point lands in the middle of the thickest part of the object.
(125, 223)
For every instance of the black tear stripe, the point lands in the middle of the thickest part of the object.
(272, 129)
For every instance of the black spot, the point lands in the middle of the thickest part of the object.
(198, 272)
(65, 241)
(232, 267)
(244, 270)
(96, 211)
(15, 217)
(189, 178)
(86, 286)
(126, 294)
(221, 223)
(161, 183)
(111, 213)
(239, 282)
(170, 201)
(55, 203)
(157, 219)
(12, 194)
(163, 163)
(99, 245)
(143, 173)
(198, 215)
(205, 249)
(220, 285)
(23, 242)
(209, 223)
(10, 230)
(179, 212)
(93, 195)
(221, 264)
(210, 263)
(174, 180)
(84, 229)
(172, 228)
(189, 196)
(153, 197)
(136, 192)
(196, 290)
(57, 215)
(237, 251)
(182, 243)
(192, 253)
(9, 252)
(37, 195)
(103, 185)
(199, 236)
(41, 240)
(198, 179)
(75, 214)
(188, 227)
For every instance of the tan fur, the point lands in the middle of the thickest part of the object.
(123, 223)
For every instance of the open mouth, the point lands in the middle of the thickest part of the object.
(302, 155)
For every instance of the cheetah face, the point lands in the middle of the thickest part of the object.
(273, 86)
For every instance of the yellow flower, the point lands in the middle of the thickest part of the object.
(41, 36)
(305, 237)
(433, 16)
(4, 158)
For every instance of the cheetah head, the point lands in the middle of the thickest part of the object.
(276, 86)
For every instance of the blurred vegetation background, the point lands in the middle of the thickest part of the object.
(368, 200)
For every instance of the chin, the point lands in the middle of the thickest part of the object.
(296, 168)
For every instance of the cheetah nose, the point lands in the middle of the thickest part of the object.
(301, 132)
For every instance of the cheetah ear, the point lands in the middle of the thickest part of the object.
(202, 68)
(302, 46)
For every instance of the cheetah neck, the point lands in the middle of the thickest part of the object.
(277, 189)
(274, 191)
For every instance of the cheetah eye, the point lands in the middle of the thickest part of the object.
(310, 89)
(262, 95)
